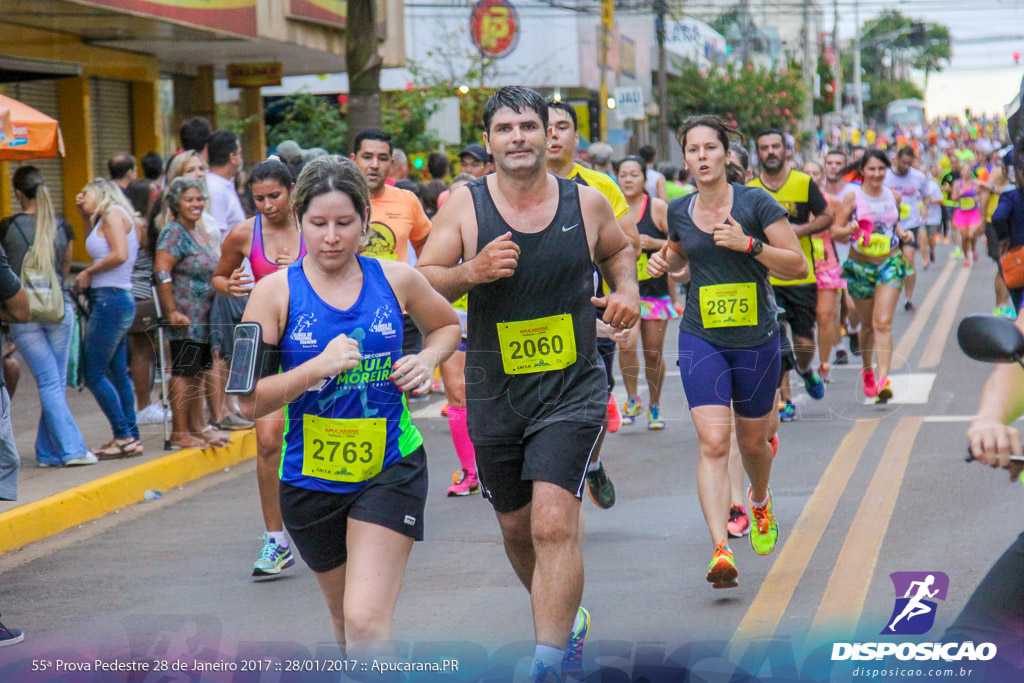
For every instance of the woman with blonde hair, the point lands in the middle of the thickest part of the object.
(38, 236)
(113, 244)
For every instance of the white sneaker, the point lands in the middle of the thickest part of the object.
(234, 421)
(150, 415)
(89, 458)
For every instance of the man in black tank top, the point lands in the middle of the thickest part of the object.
(523, 244)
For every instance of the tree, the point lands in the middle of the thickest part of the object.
(750, 98)
(310, 120)
(893, 43)
(363, 65)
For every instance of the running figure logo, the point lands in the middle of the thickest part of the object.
(914, 612)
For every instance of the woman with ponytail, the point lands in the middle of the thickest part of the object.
(38, 235)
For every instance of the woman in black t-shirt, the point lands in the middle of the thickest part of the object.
(45, 345)
(731, 236)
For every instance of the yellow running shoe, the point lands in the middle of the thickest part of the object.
(722, 568)
(764, 533)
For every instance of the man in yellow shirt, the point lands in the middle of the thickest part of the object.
(561, 154)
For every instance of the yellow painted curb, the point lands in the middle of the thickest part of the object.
(50, 516)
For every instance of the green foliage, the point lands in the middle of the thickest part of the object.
(749, 97)
(888, 43)
(311, 121)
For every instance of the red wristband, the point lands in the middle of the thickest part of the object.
(751, 245)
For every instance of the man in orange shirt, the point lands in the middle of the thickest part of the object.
(396, 216)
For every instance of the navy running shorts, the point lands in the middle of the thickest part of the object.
(746, 379)
(317, 521)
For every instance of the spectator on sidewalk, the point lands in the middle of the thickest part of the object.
(113, 244)
(655, 184)
(38, 232)
(153, 171)
(438, 167)
(194, 134)
(123, 170)
(184, 264)
(141, 338)
(601, 154)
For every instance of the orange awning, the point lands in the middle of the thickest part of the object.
(30, 134)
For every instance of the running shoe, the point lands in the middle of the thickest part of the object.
(544, 674)
(824, 373)
(572, 660)
(600, 488)
(722, 568)
(765, 532)
(867, 382)
(614, 418)
(631, 410)
(87, 458)
(273, 558)
(654, 420)
(774, 443)
(233, 421)
(739, 522)
(909, 307)
(884, 391)
(444, 410)
(153, 414)
(854, 343)
(813, 384)
(787, 411)
(1005, 312)
(957, 253)
(465, 483)
(842, 357)
(10, 636)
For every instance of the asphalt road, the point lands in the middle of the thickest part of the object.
(860, 492)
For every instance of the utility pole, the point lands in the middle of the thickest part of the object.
(808, 69)
(607, 22)
(857, 85)
(661, 7)
(744, 28)
(837, 94)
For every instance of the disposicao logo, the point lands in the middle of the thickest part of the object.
(916, 593)
(912, 615)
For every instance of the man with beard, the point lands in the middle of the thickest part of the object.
(561, 161)
(396, 216)
(809, 214)
(523, 244)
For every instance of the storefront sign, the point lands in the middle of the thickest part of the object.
(494, 26)
(230, 16)
(254, 75)
(629, 103)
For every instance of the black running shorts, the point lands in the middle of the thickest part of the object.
(558, 453)
(317, 521)
(800, 304)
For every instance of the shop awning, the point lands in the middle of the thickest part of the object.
(27, 133)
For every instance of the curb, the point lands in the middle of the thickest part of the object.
(49, 516)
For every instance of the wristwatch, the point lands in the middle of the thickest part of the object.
(756, 247)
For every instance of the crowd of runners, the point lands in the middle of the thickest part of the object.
(531, 273)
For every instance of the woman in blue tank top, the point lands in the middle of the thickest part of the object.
(353, 470)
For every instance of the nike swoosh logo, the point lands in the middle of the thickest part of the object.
(565, 229)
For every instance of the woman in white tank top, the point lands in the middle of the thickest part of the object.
(113, 244)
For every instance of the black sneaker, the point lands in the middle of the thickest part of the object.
(842, 357)
(600, 487)
(854, 343)
(10, 636)
(909, 307)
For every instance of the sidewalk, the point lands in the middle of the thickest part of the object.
(51, 500)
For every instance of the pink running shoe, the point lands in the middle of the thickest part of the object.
(867, 379)
(739, 522)
(466, 484)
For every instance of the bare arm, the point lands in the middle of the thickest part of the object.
(615, 259)
(662, 192)
(815, 225)
(164, 261)
(992, 439)
(229, 278)
(782, 254)
(627, 222)
(16, 309)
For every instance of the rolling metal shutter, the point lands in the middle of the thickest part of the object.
(42, 95)
(111, 121)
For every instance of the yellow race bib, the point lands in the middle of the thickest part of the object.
(967, 204)
(878, 245)
(904, 211)
(537, 345)
(462, 303)
(641, 268)
(818, 248)
(731, 305)
(348, 451)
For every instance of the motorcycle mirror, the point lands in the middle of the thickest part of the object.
(990, 339)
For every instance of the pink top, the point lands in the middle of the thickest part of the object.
(882, 213)
(261, 266)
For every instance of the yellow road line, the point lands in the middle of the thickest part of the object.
(940, 335)
(909, 340)
(773, 598)
(49, 516)
(847, 588)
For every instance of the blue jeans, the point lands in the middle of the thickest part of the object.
(106, 357)
(9, 460)
(45, 349)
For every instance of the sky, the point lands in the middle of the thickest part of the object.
(982, 75)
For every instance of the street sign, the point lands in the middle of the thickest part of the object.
(494, 27)
(254, 75)
(865, 88)
(629, 102)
